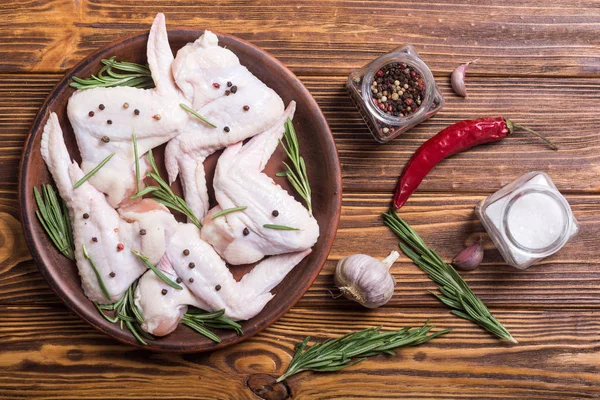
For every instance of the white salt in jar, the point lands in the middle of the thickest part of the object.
(528, 219)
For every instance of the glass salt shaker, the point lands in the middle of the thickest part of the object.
(411, 103)
(528, 220)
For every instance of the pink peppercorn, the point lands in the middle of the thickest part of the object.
(216, 85)
(120, 247)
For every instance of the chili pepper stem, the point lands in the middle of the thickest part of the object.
(513, 126)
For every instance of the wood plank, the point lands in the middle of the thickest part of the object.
(368, 166)
(49, 354)
(511, 38)
(569, 279)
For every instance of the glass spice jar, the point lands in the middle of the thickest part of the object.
(411, 94)
(528, 220)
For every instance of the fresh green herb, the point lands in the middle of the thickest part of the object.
(280, 227)
(135, 75)
(54, 217)
(455, 293)
(195, 114)
(126, 313)
(164, 195)
(199, 321)
(137, 163)
(335, 354)
(92, 172)
(158, 272)
(228, 211)
(98, 276)
(296, 173)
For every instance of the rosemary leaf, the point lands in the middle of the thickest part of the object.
(164, 194)
(200, 321)
(335, 354)
(296, 173)
(54, 218)
(228, 211)
(137, 163)
(280, 227)
(135, 75)
(98, 276)
(455, 292)
(92, 172)
(158, 272)
(195, 114)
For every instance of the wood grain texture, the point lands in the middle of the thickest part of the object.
(69, 359)
(539, 66)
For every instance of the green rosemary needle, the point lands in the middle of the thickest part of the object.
(54, 218)
(135, 75)
(137, 162)
(335, 354)
(98, 276)
(164, 194)
(158, 272)
(195, 114)
(296, 173)
(92, 172)
(280, 227)
(199, 321)
(455, 292)
(228, 211)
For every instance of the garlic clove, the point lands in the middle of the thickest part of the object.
(470, 257)
(366, 280)
(457, 79)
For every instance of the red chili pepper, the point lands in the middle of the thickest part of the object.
(456, 138)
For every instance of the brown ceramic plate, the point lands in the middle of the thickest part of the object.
(316, 145)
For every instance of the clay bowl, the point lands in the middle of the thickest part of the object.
(316, 145)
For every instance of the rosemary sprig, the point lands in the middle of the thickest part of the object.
(280, 227)
(54, 217)
(135, 75)
(296, 173)
(157, 271)
(98, 276)
(455, 292)
(199, 321)
(335, 354)
(92, 172)
(164, 195)
(137, 162)
(228, 211)
(195, 114)
(126, 313)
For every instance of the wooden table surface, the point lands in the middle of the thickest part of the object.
(539, 65)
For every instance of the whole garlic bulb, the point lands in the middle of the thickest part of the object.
(365, 279)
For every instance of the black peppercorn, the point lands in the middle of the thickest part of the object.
(227, 92)
(229, 84)
(191, 280)
(109, 121)
(186, 252)
(246, 231)
(86, 215)
(226, 129)
(178, 280)
(218, 287)
(234, 89)
(246, 108)
(275, 213)
(91, 113)
(101, 106)
(191, 265)
(142, 232)
(94, 239)
(105, 139)
(125, 105)
(136, 111)
(164, 292)
(112, 274)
